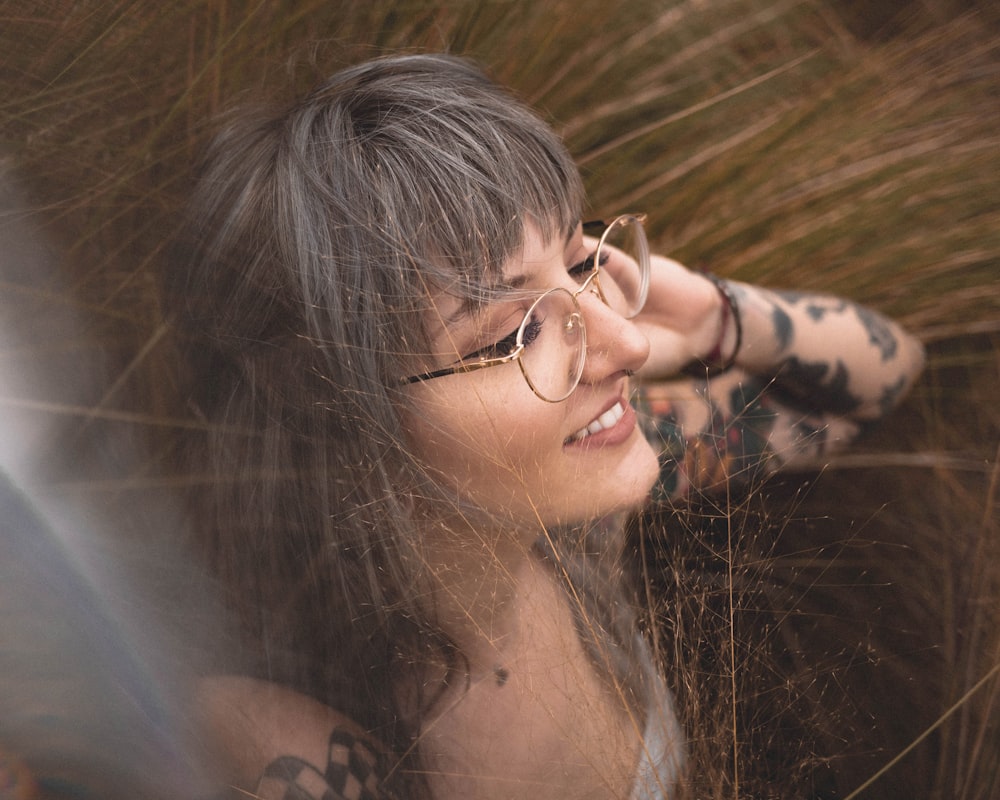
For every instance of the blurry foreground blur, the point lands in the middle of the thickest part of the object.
(94, 675)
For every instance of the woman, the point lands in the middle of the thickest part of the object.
(417, 535)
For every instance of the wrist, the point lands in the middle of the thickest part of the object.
(722, 357)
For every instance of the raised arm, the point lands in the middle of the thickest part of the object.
(825, 353)
(802, 373)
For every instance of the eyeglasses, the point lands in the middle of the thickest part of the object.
(550, 344)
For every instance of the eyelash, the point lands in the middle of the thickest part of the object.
(505, 345)
(587, 265)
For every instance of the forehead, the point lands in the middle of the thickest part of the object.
(527, 271)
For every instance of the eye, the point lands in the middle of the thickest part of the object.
(498, 349)
(506, 345)
(533, 329)
(585, 267)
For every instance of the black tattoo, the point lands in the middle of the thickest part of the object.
(879, 332)
(817, 307)
(664, 431)
(353, 772)
(749, 432)
(783, 329)
(733, 449)
(804, 383)
(816, 312)
(793, 297)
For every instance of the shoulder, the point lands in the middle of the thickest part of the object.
(353, 770)
(275, 743)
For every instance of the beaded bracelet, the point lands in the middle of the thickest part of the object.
(713, 364)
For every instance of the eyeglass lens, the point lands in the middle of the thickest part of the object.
(622, 257)
(553, 334)
(554, 345)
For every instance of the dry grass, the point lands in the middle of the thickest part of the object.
(768, 140)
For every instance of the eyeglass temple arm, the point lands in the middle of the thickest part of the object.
(472, 366)
(595, 227)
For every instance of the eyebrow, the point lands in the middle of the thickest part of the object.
(465, 309)
(513, 283)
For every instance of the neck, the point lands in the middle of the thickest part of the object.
(480, 574)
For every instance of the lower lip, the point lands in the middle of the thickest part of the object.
(609, 437)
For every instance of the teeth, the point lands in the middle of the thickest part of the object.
(608, 419)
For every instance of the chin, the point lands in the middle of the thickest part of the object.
(626, 487)
(638, 473)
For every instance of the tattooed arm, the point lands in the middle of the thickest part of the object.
(281, 745)
(808, 371)
(730, 431)
(826, 354)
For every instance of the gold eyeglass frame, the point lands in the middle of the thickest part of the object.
(575, 318)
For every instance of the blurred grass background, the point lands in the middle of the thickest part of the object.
(844, 146)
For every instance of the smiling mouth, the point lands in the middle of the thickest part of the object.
(608, 419)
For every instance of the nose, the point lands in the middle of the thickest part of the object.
(615, 345)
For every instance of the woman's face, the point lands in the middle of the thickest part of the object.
(489, 437)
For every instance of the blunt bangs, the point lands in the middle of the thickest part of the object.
(452, 168)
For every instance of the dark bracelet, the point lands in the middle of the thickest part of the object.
(714, 364)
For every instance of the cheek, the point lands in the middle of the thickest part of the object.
(485, 444)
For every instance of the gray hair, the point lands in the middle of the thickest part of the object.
(314, 235)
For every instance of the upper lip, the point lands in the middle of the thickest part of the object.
(619, 398)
